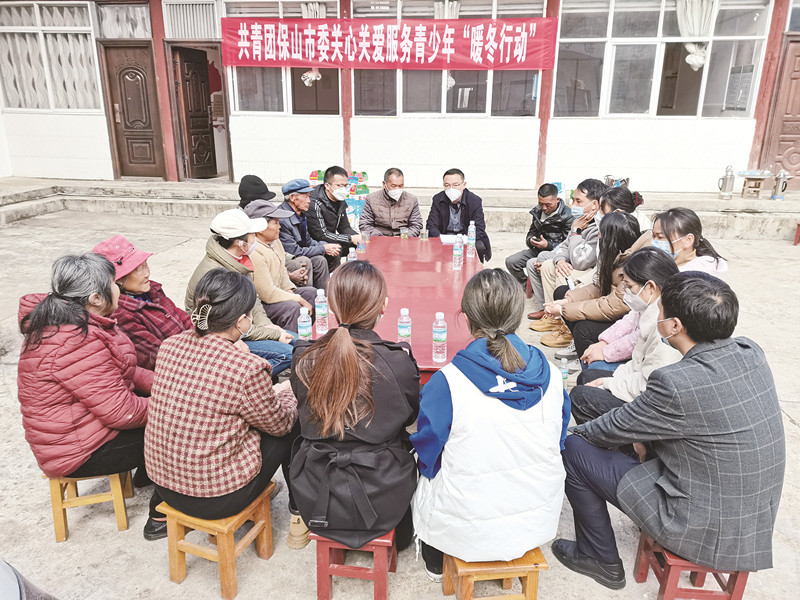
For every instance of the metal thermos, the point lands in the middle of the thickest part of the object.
(726, 184)
(781, 181)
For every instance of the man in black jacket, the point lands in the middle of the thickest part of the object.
(327, 215)
(552, 220)
(453, 209)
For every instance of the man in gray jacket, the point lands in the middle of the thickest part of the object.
(711, 492)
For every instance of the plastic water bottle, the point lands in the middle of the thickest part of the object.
(404, 326)
(351, 256)
(471, 240)
(439, 338)
(304, 324)
(321, 310)
(564, 370)
(458, 254)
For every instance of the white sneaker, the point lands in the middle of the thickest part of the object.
(568, 352)
(574, 366)
(433, 576)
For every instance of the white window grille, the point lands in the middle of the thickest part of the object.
(191, 20)
(124, 21)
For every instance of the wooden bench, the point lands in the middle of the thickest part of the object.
(221, 534)
(64, 495)
(459, 576)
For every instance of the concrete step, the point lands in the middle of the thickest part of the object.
(30, 208)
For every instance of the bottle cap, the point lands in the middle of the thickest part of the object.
(440, 316)
(320, 293)
(563, 361)
(404, 312)
(304, 311)
(472, 222)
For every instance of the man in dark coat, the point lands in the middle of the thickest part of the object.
(454, 208)
(327, 215)
(552, 220)
(711, 492)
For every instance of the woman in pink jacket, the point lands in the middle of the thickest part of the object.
(82, 396)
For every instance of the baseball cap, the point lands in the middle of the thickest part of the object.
(235, 223)
(122, 254)
(296, 185)
(266, 209)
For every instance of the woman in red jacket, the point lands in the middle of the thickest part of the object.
(78, 379)
(145, 313)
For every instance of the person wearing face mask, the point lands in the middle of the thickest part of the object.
(389, 209)
(551, 223)
(712, 490)
(327, 215)
(679, 233)
(230, 247)
(217, 429)
(144, 313)
(604, 386)
(454, 208)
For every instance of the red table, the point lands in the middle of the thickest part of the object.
(420, 277)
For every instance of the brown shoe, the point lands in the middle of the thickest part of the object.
(559, 338)
(546, 323)
(536, 315)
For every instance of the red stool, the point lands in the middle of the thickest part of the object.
(529, 287)
(330, 561)
(668, 572)
(797, 235)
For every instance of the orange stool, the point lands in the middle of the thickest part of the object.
(459, 576)
(668, 572)
(330, 562)
(220, 532)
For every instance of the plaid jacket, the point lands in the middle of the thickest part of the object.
(208, 405)
(712, 493)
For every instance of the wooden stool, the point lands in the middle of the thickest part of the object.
(330, 562)
(528, 288)
(220, 532)
(752, 187)
(64, 495)
(668, 572)
(797, 235)
(459, 577)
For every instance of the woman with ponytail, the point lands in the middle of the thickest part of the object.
(353, 474)
(679, 233)
(490, 430)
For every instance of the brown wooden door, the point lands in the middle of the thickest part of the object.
(782, 149)
(130, 84)
(194, 110)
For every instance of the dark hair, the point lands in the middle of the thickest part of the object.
(226, 242)
(678, 222)
(392, 171)
(493, 303)
(221, 298)
(650, 264)
(547, 190)
(621, 198)
(706, 305)
(454, 172)
(593, 188)
(618, 232)
(74, 279)
(340, 390)
(334, 170)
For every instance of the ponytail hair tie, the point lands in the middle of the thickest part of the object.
(199, 317)
(638, 199)
(345, 325)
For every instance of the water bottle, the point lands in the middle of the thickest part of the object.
(404, 326)
(304, 324)
(564, 370)
(458, 254)
(321, 310)
(439, 338)
(351, 256)
(471, 240)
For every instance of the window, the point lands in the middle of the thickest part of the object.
(466, 91)
(632, 78)
(794, 16)
(584, 18)
(509, 9)
(259, 88)
(422, 91)
(680, 84)
(50, 64)
(732, 74)
(321, 98)
(375, 92)
(742, 17)
(636, 18)
(514, 93)
(579, 74)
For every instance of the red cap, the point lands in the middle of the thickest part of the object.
(122, 254)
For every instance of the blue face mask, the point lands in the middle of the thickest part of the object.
(577, 211)
(665, 246)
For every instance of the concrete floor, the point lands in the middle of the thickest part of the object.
(99, 563)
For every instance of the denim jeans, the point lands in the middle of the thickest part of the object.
(602, 365)
(278, 354)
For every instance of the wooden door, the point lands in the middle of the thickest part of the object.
(194, 112)
(132, 107)
(782, 148)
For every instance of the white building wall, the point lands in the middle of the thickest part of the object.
(665, 155)
(5, 158)
(60, 146)
(493, 153)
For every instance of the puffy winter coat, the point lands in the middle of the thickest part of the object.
(77, 392)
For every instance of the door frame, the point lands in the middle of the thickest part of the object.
(107, 103)
(177, 123)
(788, 37)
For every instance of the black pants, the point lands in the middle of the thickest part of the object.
(590, 402)
(284, 314)
(593, 475)
(404, 531)
(123, 453)
(584, 333)
(275, 452)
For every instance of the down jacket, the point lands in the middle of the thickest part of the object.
(76, 393)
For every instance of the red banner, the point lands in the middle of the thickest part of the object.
(435, 44)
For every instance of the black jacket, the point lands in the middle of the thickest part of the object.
(439, 218)
(555, 229)
(327, 221)
(357, 489)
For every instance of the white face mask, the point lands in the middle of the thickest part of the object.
(249, 329)
(598, 217)
(453, 194)
(395, 194)
(251, 247)
(340, 193)
(634, 302)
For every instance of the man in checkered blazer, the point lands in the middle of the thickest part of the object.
(711, 492)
